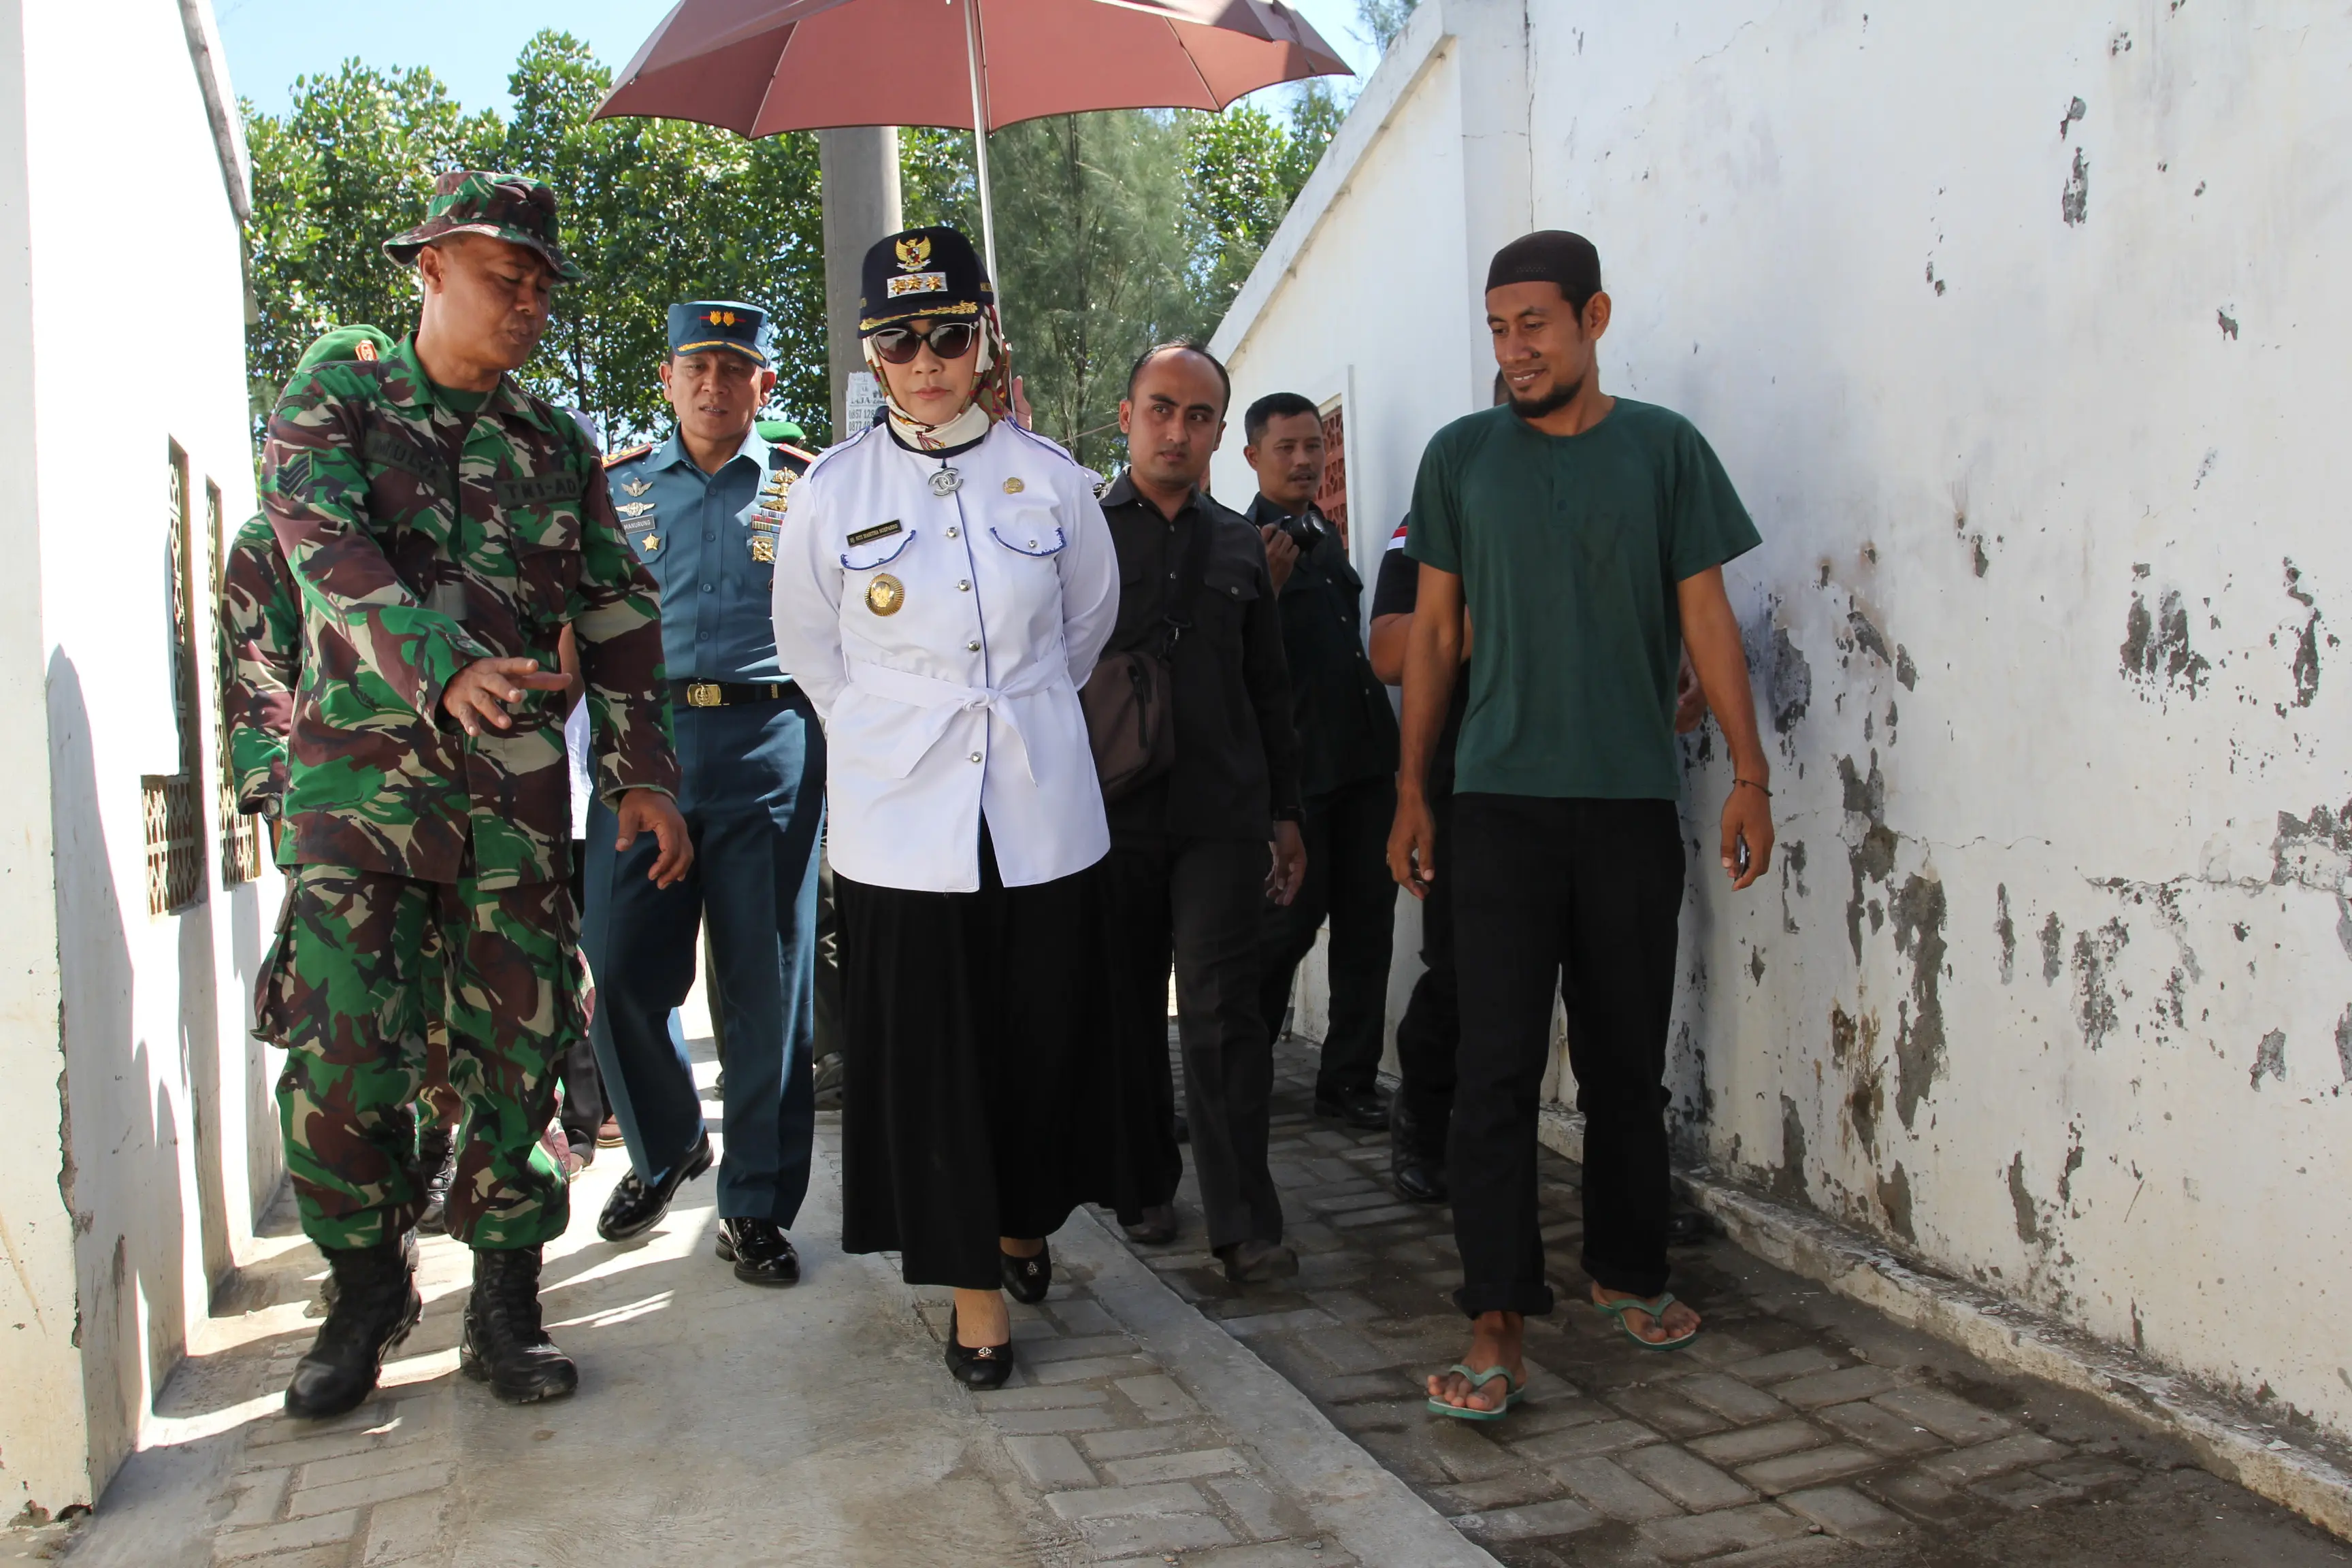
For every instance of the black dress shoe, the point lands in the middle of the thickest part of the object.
(1256, 1262)
(635, 1206)
(1417, 1178)
(759, 1250)
(1363, 1108)
(978, 1366)
(1156, 1227)
(1026, 1280)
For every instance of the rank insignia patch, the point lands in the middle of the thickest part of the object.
(885, 594)
(763, 549)
(650, 543)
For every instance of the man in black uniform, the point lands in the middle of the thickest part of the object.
(1187, 871)
(1346, 764)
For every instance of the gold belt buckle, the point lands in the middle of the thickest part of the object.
(703, 694)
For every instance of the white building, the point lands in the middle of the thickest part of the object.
(2022, 330)
(140, 1131)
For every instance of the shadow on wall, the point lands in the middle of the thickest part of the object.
(120, 1179)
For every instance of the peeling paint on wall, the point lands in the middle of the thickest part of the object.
(2315, 852)
(1792, 872)
(1895, 1197)
(1789, 1182)
(2095, 988)
(2020, 1202)
(2006, 929)
(2344, 1044)
(2156, 652)
(2270, 1059)
(2074, 201)
(1792, 682)
(1918, 912)
(2054, 948)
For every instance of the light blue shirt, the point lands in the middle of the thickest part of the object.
(703, 536)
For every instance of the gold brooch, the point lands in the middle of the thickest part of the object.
(886, 595)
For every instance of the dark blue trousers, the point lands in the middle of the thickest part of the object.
(753, 799)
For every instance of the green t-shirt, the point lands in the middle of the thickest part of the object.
(1570, 548)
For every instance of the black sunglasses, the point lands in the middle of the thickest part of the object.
(948, 341)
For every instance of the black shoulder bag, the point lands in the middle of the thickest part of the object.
(1130, 698)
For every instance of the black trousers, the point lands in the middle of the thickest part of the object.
(1348, 880)
(976, 1096)
(1431, 1029)
(1194, 903)
(1581, 898)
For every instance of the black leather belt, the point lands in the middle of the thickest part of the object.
(726, 693)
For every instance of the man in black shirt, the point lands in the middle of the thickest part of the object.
(1189, 868)
(1347, 762)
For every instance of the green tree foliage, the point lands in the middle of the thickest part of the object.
(1116, 231)
(1091, 245)
(654, 211)
(1384, 19)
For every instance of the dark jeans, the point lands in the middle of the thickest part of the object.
(1348, 880)
(1588, 893)
(1194, 901)
(1431, 1028)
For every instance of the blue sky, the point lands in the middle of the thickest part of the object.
(472, 44)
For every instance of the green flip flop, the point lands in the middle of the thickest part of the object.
(1512, 1388)
(1656, 1308)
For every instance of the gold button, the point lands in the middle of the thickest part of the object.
(951, 532)
(971, 647)
(964, 587)
(975, 756)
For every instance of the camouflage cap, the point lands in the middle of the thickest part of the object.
(504, 207)
(360, 342)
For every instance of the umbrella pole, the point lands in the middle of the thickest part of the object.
(979, 143)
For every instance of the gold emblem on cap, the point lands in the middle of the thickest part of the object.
(1013, 487)
(885, 594)
(913, 251)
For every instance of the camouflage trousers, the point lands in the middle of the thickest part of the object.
(365, 964)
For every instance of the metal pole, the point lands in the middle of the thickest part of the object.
(979, 69)
(860, 166)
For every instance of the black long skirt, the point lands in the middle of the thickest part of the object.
(977, 1092)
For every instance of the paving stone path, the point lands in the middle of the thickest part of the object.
(1799, 1428)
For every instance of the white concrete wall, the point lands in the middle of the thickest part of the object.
(42, 1462)
(131, 337)
(2037, 413)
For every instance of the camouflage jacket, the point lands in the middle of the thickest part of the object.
(261, 664)
(415, 557)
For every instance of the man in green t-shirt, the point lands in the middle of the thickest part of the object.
(1584, 536)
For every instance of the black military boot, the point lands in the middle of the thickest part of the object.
(504, 1345)
(372, 1304)
(436, 1167)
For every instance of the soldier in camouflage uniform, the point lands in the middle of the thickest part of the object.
(442, 526)
(261, 659)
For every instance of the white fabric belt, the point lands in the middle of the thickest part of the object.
(941, 700)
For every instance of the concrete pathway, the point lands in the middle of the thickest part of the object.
(719, 1424)
(1800, 1428)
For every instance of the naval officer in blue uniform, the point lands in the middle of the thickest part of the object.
(701, 510)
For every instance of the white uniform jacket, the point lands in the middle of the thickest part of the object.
(942, 639)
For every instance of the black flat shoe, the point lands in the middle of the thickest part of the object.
(1156, 1226)
(759, 1250)
(1362, 1108)
(635, 1206)
(979, 1367)
(1026, 1280)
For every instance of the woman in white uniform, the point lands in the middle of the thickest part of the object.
(944, 581)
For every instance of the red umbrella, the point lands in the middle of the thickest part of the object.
(761, 67)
